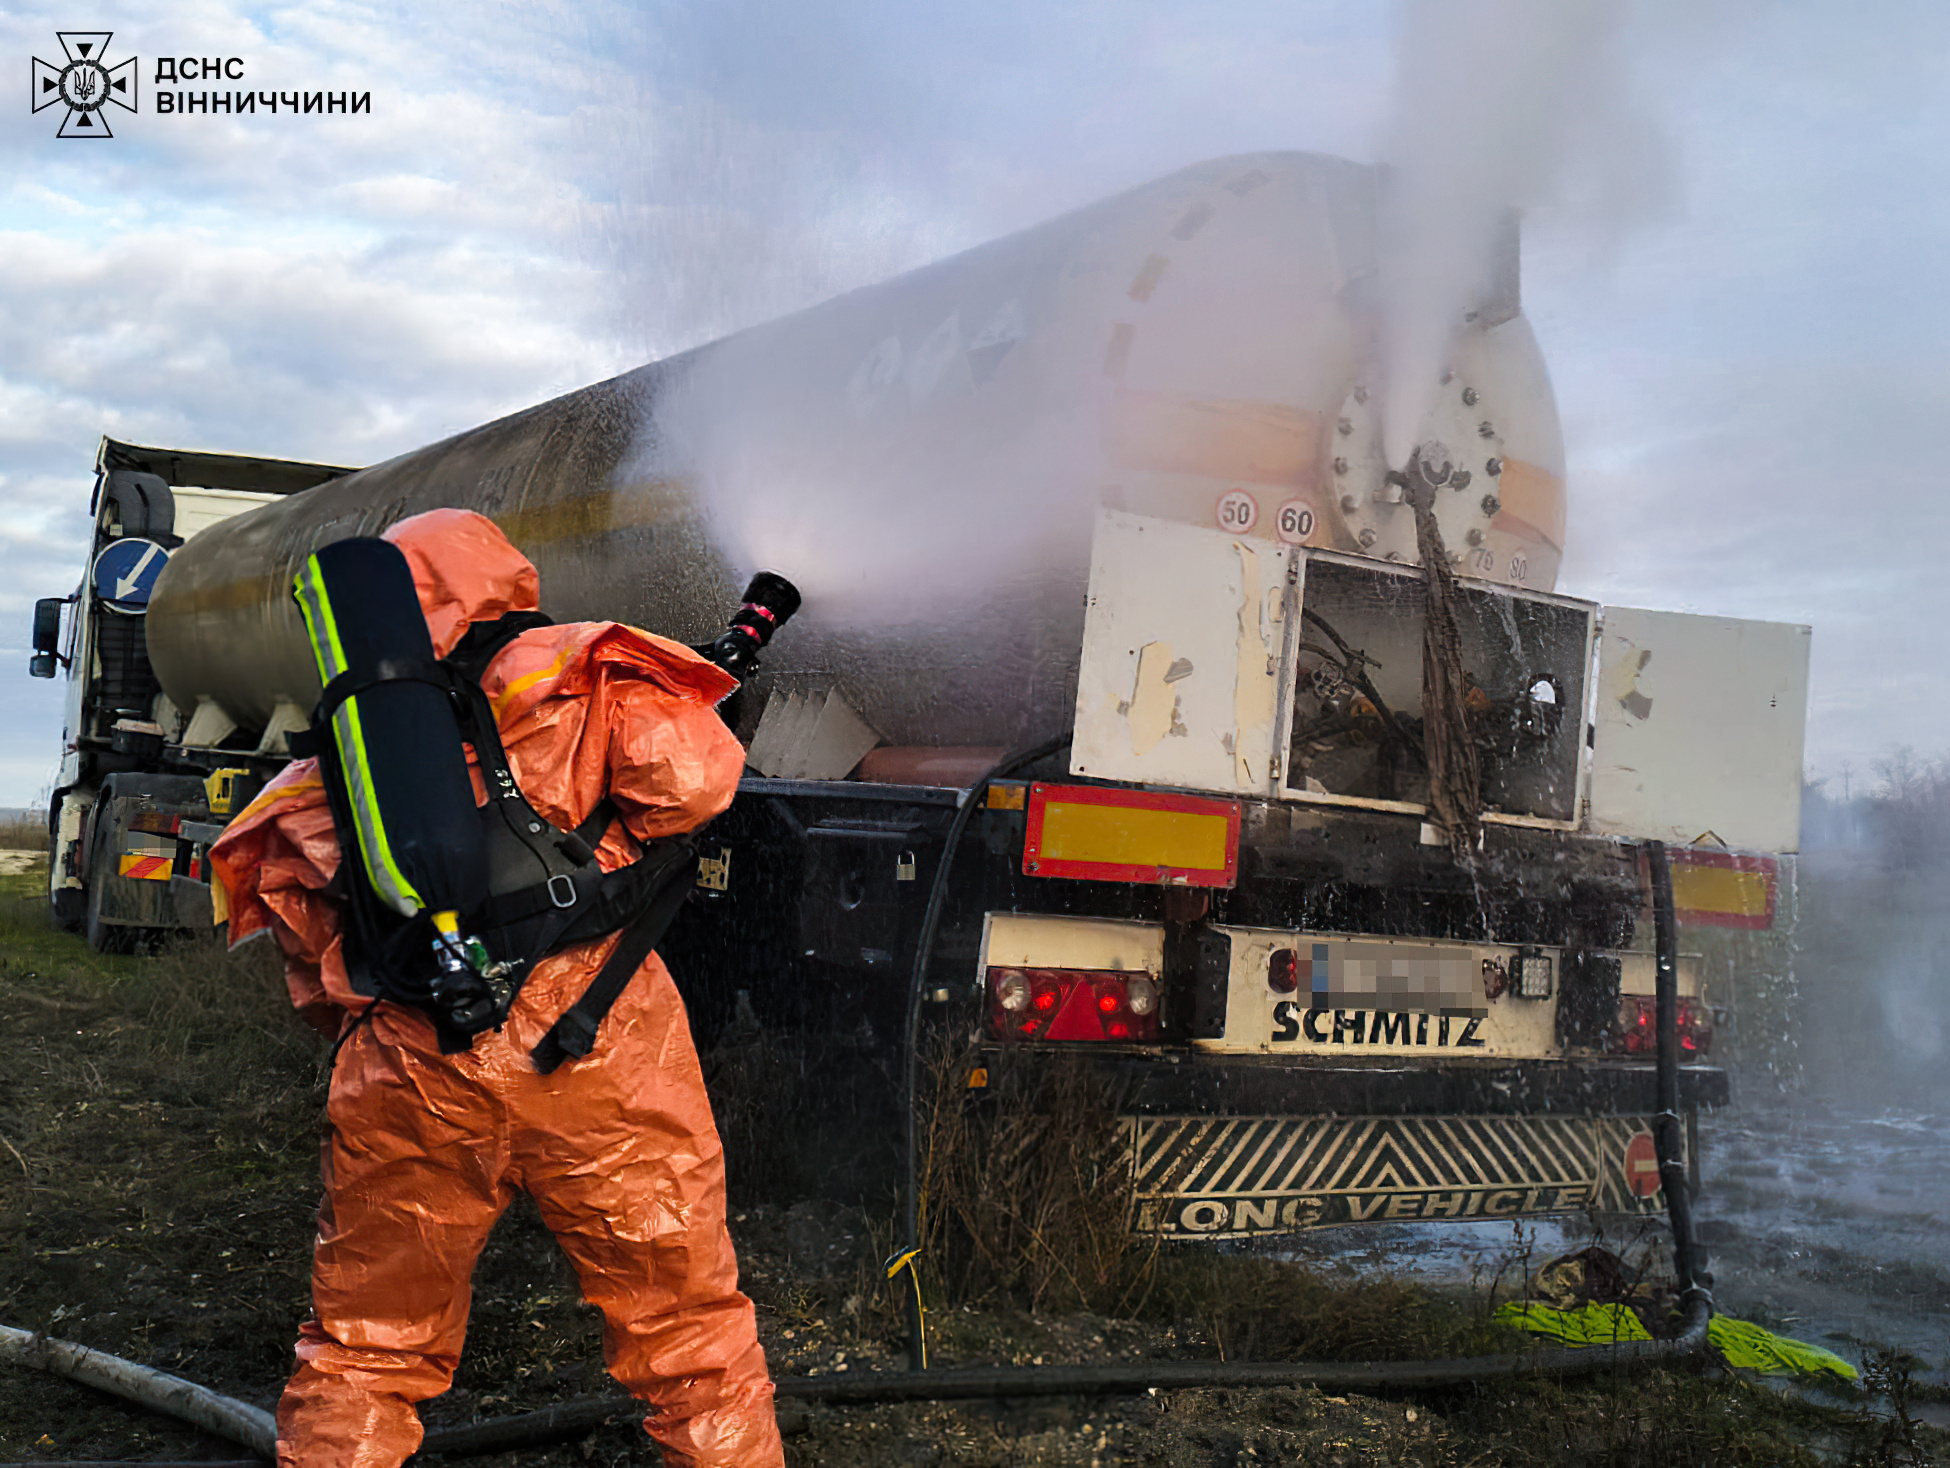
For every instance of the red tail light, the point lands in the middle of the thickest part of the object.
(1283, 971)
(1638, 1027)
(1071, 1004)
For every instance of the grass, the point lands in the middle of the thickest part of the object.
(157, 1124)
(1023, 1209)
(158, 1129)
(1021, 1194)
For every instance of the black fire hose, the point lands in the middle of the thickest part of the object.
(1686, 1260)
(906, 1256)
(582, 1414)
(962, 1383)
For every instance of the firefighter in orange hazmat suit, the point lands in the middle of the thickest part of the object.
(424, 1151)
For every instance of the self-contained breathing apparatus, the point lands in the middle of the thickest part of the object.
(450, 904)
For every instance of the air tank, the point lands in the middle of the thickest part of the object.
(925, 458)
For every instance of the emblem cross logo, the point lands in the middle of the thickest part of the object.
(85, 85)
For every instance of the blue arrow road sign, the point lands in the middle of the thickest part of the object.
(126, 572)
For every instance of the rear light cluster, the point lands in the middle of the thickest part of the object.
(1071, 1004)
(1530, 975)
(1283, 971)
(1638, 1026)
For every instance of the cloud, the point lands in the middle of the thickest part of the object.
(323, 287)
(545, 193)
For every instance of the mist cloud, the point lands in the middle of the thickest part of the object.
(547, 194)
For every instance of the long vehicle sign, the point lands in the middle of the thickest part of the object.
(1238, 1176)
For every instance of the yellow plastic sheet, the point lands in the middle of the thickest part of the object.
(1593, 1325)
(1748, 1346)
(1740, 1342)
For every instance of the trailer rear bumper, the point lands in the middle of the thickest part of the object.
(1211, 1086)
(1236, 1177)
(1238, 1147)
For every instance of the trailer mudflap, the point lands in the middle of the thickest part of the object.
(1236, 1177)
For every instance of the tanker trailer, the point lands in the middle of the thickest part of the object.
(1113, 493)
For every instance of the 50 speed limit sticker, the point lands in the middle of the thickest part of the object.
(1294, 522)
(1238, 511)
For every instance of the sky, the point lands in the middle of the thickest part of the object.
(1734, 263)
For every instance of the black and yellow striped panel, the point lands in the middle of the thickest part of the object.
(1236, 1176)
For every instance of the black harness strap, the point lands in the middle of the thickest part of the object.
(590, 833)
(521, 924)
(642, 899)
(574, 1034)
(390, 670)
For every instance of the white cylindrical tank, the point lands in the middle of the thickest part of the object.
(925, 457)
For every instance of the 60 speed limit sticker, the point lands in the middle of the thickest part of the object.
(1294, 522)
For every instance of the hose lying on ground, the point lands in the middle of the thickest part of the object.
(566, 1419)
(225, 1416)
(238, 1421)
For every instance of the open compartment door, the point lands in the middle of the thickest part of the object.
(1180, 673)
(1354, 728)
(1699, 729)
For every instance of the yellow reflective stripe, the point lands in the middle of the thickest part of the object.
(1131, 836)
(268, 798)
(318, 622)
(375, 850)
(1719, 889)
(528, 680)
(387, 879)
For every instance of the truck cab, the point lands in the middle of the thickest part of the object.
(143, 785)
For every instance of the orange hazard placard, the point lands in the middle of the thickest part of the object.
(1721, 890)
(147, 868)
(1106, 834)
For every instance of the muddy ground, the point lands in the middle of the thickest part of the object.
(158, 1122)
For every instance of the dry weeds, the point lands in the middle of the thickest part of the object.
(158, 1178)
(26, 834)
(1025, 1189)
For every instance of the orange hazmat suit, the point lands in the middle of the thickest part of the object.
(424, 1151)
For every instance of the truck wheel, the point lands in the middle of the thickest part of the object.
(105, 937)
(67, 909)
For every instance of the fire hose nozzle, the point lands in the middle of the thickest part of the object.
(769, 603)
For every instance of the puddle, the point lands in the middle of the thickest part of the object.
(1829, 1225)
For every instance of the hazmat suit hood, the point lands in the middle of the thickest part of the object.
(465, 570)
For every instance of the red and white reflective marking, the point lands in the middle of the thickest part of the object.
(1642, 1165)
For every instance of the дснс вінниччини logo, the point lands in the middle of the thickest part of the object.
(85, 85)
